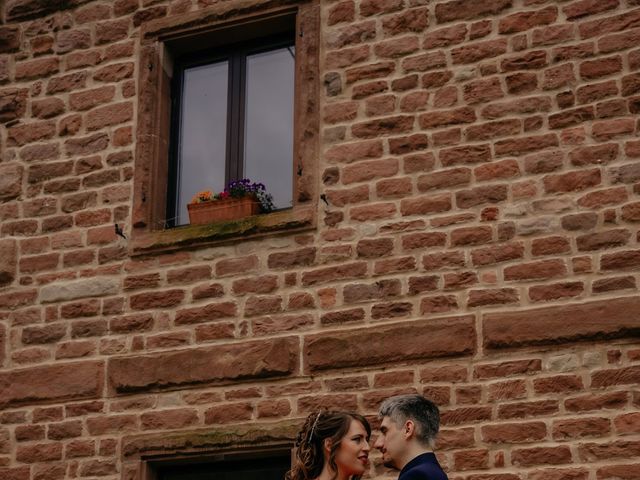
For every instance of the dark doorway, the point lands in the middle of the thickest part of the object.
(272, 467)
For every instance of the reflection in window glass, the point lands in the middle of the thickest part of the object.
(203, 120)
(268, 145)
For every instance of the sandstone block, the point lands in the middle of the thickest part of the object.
(18, 9)
(13, 103)
(477, 51)
(439, 119)
(9, 39)
(10, 181)
(30, 132)
(577, 10)
(169, 419)
(4, 69)
(541, 456)
(90, 287)
(351, 35)
(87, 145)
(368, 170)
(114, 73)
(469, 9)
(519, 22)
(109, 115)
(204, 366)
(68, 40)
(415, 340)
(51, 383)
(294, 259)
(112, 31)
(412, 20)
(41, 67)
(613, 318)
(65, 83)
(3, 340)
(572, 181)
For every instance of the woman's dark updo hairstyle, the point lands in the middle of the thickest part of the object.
(319, 426)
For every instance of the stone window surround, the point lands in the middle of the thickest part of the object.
(141, 455)
(152, 132)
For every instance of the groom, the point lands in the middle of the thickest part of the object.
(407, 436)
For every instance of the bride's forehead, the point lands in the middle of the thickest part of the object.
(356, 427)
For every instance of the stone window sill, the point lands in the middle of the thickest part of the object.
(295, 219)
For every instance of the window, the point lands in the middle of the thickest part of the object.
(207, 79)
(233, 118)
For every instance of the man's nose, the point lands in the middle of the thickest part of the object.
(378, 443)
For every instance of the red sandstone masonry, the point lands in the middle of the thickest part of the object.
(480, 244)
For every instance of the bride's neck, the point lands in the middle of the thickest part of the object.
(328, 474)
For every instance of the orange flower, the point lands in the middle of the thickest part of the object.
(203, 196)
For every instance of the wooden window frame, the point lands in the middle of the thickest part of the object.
(236, 56)
(162, 40)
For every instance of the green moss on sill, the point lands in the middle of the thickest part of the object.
(219, 437)
(220, 232)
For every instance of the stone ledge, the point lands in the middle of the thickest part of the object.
(596, 321)
(64, 381)
(219, 364)
(384, 344)
(211, 439)
(206, 17)
(296, 219)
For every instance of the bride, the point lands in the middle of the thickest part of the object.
(331, 445)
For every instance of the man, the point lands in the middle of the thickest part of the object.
(407, 436)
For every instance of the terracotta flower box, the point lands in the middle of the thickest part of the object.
(222, 210)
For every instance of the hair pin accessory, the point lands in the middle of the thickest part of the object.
(315, 424)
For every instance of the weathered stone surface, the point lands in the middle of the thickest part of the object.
(9, 39)
(20, 9)
(10, 181)
(469, 9)
(52, 382)
(203, 366)
(207, 313)
(236, 436)
(612, 318)
(298, 258)
(13, 103)
(3, 340)
(66, 83)
(416, 340)
(4, 69)
(87, 145)
(30, 132)
(91, 287)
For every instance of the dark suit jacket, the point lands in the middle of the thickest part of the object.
(423, 467)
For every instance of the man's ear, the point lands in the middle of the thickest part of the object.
(409, 429)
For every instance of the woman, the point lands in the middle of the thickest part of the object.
(331, 446)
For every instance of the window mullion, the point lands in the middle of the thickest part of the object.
(173, 172)
(230, 152)
(242, 90)
(235, 117)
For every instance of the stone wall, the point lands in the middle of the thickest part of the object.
(479, 244)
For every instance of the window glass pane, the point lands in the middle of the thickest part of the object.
(268, 148)
(203, 130)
